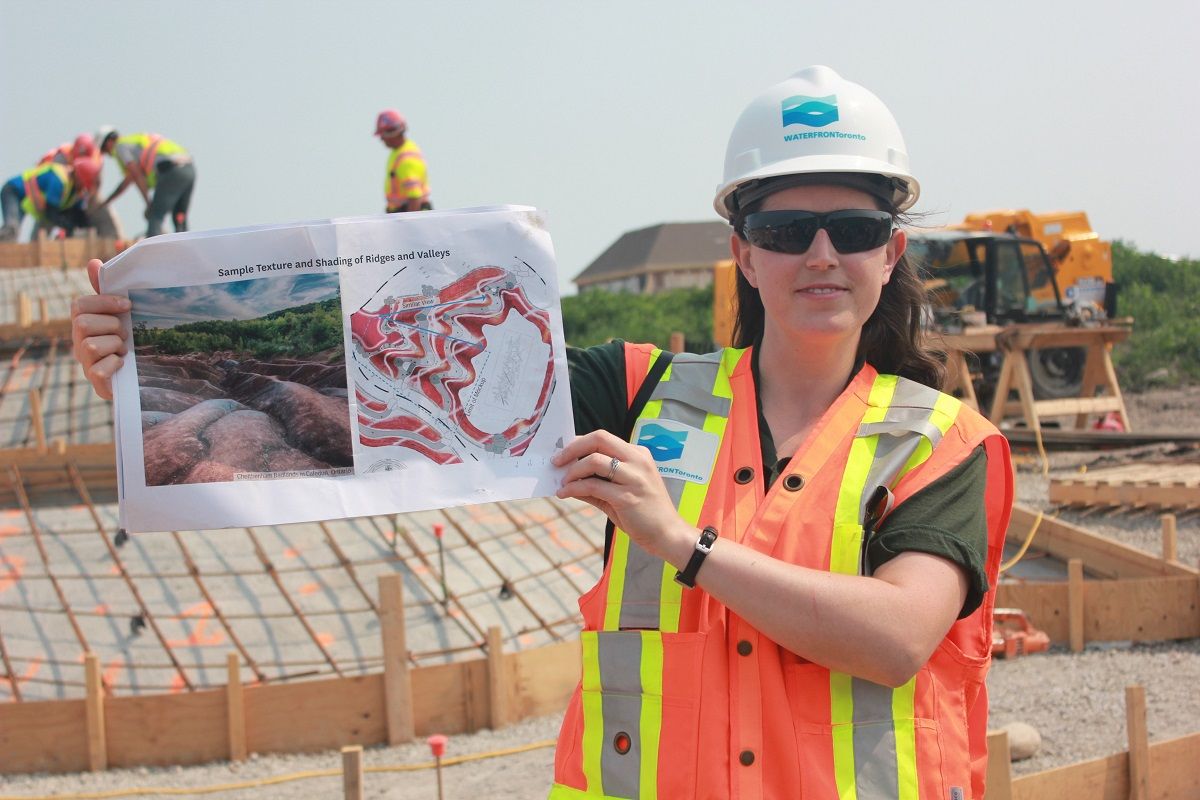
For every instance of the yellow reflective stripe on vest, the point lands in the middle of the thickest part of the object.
(622, 696)
(904, 422)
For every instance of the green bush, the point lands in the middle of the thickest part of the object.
(596, 316)
(1163, 297)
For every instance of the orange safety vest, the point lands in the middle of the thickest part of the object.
(681, 698)
(35, 201)
(406, 176)
(63, 154)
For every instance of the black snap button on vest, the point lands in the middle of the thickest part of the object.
(745, 648)
(622, 743)
(744, 475)
(793, 482)
(747, 758)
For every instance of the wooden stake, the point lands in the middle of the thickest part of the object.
(1075, 603)
(677, 344)
(999, 767)
(235, 704)
(35, 418)
(1139, 743)
(397, 683)
(352, 772)
(24, 310)
(43, 310)
(1169, 538)
(97, 747)
(497, 679)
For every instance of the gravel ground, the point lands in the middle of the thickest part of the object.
(1075, 701)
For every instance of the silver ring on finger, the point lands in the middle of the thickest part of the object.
(612, 469)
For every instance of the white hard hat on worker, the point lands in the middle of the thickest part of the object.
(816, 123)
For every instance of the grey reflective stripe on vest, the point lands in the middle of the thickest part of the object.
(875, 772)
(906, 422)
(901, 430)
(687, 398)
(620, 657)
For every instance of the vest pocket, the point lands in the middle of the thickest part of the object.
(854, 732)
(638, 712)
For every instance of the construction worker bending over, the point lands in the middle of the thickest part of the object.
(805, 534)
(53, 194)
(162, 171)
(406, 185)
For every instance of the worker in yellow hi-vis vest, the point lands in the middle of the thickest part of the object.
(163, 172)
(407, 184)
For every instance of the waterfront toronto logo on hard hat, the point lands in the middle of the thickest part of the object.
(815, 112)
(679, 451)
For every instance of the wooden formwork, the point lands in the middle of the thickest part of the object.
(1129, 594)
(1161, 771)
(46, 252)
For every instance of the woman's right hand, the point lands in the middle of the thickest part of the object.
(97, 333)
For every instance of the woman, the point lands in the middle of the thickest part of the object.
(842, 526)
(805, 538)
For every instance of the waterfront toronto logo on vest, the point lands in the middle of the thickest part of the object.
(679, 451)
(814, 112)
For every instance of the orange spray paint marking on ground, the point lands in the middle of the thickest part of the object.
(520, 541)
(9, 530)
(573, 569)
(291, 552)
(177, 684)
(525, 639)
(101, 609)
(309, 588)
(325, 638)
(420, 569)
(31, 671)
(200, 636)
(11, 569)
(114, 569)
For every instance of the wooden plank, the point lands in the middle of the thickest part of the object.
(43, 736)
(450, 698)
(97, 743)
(998, 782)
(1158, 495)
(1045, 603)
(543, 679)
(397, 683)
(1104, 778)
(1102, 556)
(315, 715)
(235, 704)
(498, 681)
(166, 729)
(1142, 609)
(84, 456)
(1139, 743)
(1172, 763)
(1075, 616)
(1076, 405)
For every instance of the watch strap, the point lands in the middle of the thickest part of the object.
(687, 575)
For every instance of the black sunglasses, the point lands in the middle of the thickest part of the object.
(851, 231)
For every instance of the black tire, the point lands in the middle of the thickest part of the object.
(1057, 372)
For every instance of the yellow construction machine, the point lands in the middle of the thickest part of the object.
(1002, 268)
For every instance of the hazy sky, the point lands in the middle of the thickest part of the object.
(614, 116)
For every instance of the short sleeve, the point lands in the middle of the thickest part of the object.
(948, 519)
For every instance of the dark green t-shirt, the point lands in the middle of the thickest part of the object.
(946, 518)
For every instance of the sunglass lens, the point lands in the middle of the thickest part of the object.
(858, 233)
(793, 236)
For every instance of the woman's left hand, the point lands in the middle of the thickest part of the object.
(621, 480)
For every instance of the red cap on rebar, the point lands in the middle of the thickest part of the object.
(437, 744)
(438, 529)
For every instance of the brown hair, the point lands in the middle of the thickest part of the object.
(893, 339)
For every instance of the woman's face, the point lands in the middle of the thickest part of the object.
(820, 293)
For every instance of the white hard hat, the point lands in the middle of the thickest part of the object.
(815, 121)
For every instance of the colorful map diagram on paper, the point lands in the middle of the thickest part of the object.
(450, 370)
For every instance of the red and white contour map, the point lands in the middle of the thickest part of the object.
(456, 373)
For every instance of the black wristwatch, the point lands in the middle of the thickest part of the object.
(704, 546)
